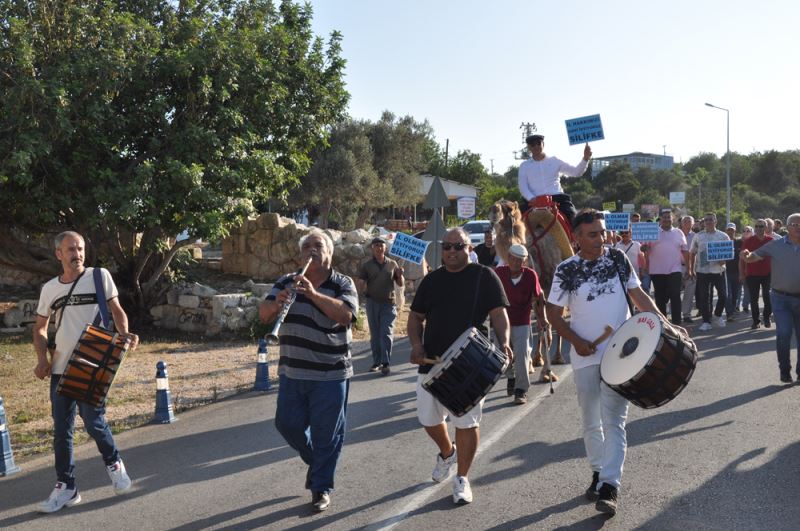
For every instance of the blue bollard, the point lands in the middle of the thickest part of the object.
(164, 411)
(7, 466)
(262, 368)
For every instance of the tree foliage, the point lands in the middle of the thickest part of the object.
(133, 120)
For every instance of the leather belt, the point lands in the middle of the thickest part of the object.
(779, 292)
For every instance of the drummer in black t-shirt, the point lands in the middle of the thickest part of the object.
(449, 301)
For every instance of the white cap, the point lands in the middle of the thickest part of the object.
(518, 250)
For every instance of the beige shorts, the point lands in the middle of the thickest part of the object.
(431, 412)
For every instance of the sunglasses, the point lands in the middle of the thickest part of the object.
(446, 246)
(761, 226)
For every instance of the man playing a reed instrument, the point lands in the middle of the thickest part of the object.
(450, 300)
(73, 296)
(315, 364)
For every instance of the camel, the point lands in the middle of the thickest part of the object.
(548, 245)
(508, 226)
(544, 256)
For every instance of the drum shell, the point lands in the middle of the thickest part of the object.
(468, 371)
(666, 373)
(93, 366)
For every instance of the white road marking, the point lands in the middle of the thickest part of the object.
(393, 517)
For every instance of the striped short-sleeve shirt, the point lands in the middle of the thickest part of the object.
(312, 345)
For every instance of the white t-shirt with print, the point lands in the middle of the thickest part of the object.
(81, 310)
(592, 291)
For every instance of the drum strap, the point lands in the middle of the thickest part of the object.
(617, 256)
(66, 303)
(102, 303)
(475, 299)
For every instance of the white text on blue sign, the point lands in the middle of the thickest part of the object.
(408, 248)
(645, 232)
(718, 251)
(618, 221)
(584, 129)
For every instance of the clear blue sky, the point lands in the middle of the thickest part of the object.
(477, 69)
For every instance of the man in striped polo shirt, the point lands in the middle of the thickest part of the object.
(315, 365)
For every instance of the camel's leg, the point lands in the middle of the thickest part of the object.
(558, 359)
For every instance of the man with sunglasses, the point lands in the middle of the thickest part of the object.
(541, 175)
(593, 284)
(756, 275)
(449, 301)
(785, 294)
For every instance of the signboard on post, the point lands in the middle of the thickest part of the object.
(649, 211)
(408, 248)
(618, 221)
(644, 232)
(677, 198)
(465, 207)
(584, 129)
(611, 206)
(628, 207)
(718, 251)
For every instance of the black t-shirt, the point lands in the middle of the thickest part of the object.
(732, 266)
(451, 305)
(486, 255)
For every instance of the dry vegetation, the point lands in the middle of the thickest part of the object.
(200, 371)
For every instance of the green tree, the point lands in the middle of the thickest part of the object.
(616, 182)
(131, 121)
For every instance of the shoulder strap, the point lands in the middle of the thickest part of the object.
(102, 303)
(475, 299)
(618, 257)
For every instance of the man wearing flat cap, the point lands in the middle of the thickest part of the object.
(541, 175)
(376, 279)
(523, 291)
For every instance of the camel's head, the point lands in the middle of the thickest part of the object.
(505, 210)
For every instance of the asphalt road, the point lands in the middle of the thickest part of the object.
(724, 455)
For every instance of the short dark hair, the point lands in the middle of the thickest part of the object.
(534, 139)
(585, 216)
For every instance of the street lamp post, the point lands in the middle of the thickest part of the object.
(727, 159)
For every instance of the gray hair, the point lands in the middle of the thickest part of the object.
(60, 238)
(322, 235)
(795, 215)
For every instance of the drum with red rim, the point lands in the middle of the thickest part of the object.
(647, 362)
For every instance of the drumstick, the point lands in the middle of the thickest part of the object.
(606, 334)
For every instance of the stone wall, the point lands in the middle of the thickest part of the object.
(267, 247)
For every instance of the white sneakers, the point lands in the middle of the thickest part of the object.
(721, 322)
(705, 327)
(443, 466)
(119, 478)
(60, 497)
(462, 493)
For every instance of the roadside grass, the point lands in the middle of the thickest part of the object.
(201, 371)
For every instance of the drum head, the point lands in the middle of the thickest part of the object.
(630, 348)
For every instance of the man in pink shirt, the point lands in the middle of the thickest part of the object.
(665, 258)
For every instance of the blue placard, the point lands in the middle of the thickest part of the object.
(644, 232)
(408, 248)
(618, 221)
(584, 129)
(719, 251)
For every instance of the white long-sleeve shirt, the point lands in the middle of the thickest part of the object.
(543, 177)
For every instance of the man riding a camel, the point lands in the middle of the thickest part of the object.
(541, 175)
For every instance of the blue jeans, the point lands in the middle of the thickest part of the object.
(311, 417)
(603, 415)
(645, 280)
(381, 317)
(786, 312)
(734, 293)
(63, 411)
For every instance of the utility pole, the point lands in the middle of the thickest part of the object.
(491, 162)
(446, 151)
(527, 130)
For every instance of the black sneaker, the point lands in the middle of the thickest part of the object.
(375, 368)
(755, 326)
(786, 378)
(767, 322)
(510, 384)
(320, 501)
(688, 319)
(591, 492)
(385, 369)
(520, 397)
(607, 500)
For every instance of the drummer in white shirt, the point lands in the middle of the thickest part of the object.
(591, 285)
